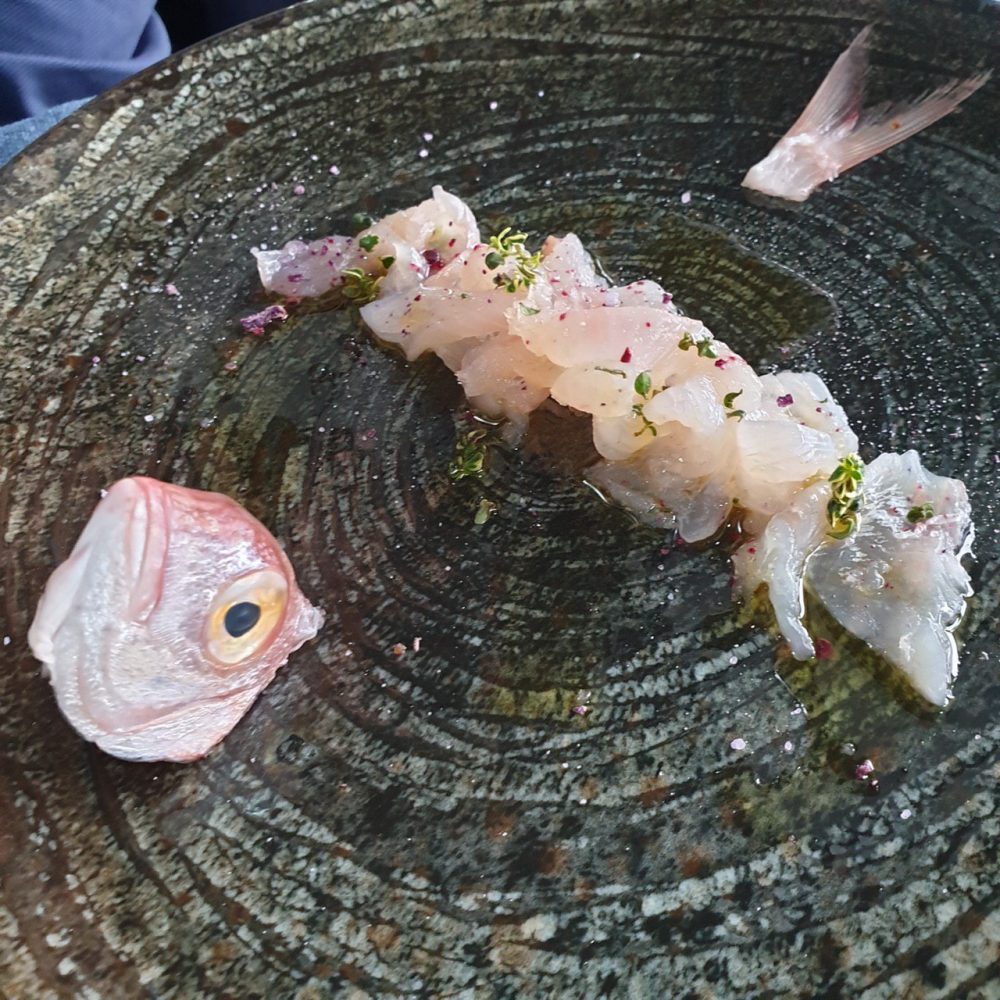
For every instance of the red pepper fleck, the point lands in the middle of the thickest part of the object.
(648, 325)
(752, 550)
(785, 400)
(626, 356)
(452, 242)
(667, 298)
(562, 316)
(434, 261)
(863, 770)
(417, 298)
(824, 649)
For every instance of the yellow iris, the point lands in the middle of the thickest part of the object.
(266, 589)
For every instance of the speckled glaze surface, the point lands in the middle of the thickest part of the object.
(442, 823)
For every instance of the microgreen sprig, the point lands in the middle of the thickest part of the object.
(845, 487)
(643, 386)
(704, 347)
(470, 456)
(508, 246)
(920, 513)
(360, 287)
(727, 402)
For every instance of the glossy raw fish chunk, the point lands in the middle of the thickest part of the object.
(174, 610)
(897, 583)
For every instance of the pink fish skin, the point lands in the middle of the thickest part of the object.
(135, 628)
(833, 133)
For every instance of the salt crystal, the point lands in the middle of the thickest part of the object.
(423, 154)
(493, 105)
(170, 289)
(334, 169)
(416, 643)
(149, 418)
(738, 744)
(6, 640)
(428, 136)
(298, 189)
(905, 814)
(686, 198)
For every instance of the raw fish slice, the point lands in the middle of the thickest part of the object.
(566, 277)
(580, 337)
(597, 390)
(833, 134)
(775, 458)
(658, 497)
(805, 397)
(423, 239)
(645, 293)
(453, 354)
(307, 270)
(457, 303)
(778, 558)
(691, 432)
(503, 379)
(901, 587)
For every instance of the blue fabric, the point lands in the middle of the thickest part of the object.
(52, 51)
(13, 138)
(54, 54)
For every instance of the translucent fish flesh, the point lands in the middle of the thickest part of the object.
(689, 435)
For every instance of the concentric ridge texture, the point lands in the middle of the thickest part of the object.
(596, 776)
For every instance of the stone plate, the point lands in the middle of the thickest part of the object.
(443, 823)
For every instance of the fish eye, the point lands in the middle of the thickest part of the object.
(244, 614)
(240, 618)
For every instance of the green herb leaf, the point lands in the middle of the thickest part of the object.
(643, 383)
(727, 400)
(360, 221)
(917, 514)
(470, 456)
(845, 497)
(704, 347)
(485, 510)
(387, 262)
(359, 287)
(508, 248)
(610, 371)
(368, 243)
(528, 310)
(739, 414)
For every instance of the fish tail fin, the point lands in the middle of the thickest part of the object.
(837, 102)
(884, 125)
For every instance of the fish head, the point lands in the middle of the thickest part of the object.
(174, 610)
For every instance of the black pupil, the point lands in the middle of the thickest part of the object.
(242, 617)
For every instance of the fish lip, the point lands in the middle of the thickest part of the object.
(150, 554)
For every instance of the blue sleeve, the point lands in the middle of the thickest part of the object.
(61, 50)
